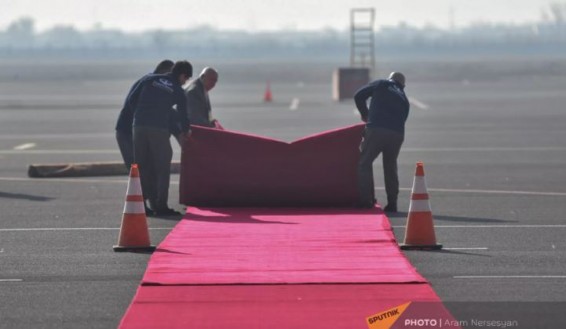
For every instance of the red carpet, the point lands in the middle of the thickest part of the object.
(247, 268)
(281, 245)
(230, 169)
(273, 306)
(276, 268)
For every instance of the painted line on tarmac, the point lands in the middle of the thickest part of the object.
(483, 149)
(294, 104)
(59, 151)
(418, 104)
(475, 248)
(121, 181)
(424, 149)
(497, 192)
(25, 146)
(536, 193)
(65, 180)
(62, 229)
(493, 226)
(69, 180)
(55, 136)
(510, 277)
(11, 280)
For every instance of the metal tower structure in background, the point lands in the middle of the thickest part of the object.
(362, 38)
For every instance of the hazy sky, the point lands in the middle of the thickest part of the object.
(138, 15)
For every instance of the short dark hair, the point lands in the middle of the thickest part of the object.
(164, 66)
(182, 67)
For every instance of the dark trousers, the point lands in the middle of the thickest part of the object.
(126, 145)
(153, 154)
(375, 142)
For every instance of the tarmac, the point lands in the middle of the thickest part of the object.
(493, 148)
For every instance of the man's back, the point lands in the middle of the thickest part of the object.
(153, 98)
(198, 104)
(389, 107)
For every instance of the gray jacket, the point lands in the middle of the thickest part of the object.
(198, 104)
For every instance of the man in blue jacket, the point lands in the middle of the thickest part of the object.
(384, 133)
(152, 100)
(124, 134)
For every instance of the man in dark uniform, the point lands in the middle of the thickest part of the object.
(124, 135)
(384, 133)
(152, 100)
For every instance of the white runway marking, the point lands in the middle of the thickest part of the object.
(493, 226)
(122, 181)
(484, 149)
(56, 136)
(537, 193)
(478, 248)
(418, 104)
(71, 180)
(63, 229)
(510, 277)
(499, 192)
(294, 104)
(66, 180)
(24, 146)
(60, 152)
(11, 280)
(424, 149)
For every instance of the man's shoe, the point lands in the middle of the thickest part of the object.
(167, 212)
(391, 207)
(149, 212)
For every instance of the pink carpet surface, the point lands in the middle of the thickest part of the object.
(321, 306)
(277, 268)
(231, 169)
(312, 262)
(280, 245)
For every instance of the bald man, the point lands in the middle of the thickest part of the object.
(384, 133)
(198, 102)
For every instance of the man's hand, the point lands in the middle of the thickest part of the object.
(184, 137)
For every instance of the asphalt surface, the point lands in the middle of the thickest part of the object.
(493, 147)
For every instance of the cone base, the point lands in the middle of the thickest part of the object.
(420, 247)
(133, 248)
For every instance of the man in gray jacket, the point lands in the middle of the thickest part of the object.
(198, 103)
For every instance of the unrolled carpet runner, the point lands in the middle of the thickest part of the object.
(277, 268)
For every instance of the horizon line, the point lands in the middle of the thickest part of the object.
(98, 26)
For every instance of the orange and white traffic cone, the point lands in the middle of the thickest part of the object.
(267, 97)
(134, 233)
(420, 227)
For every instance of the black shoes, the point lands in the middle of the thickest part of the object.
(166, 212)
(154, 210)
(148, 212)
(391, 207)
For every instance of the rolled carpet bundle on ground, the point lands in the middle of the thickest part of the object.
(84, 169)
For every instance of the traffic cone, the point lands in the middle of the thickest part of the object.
(267, 97)
(420, 227)
(134, 233)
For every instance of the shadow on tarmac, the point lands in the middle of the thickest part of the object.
(29, 197)
(455, 252)
(456, 219)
